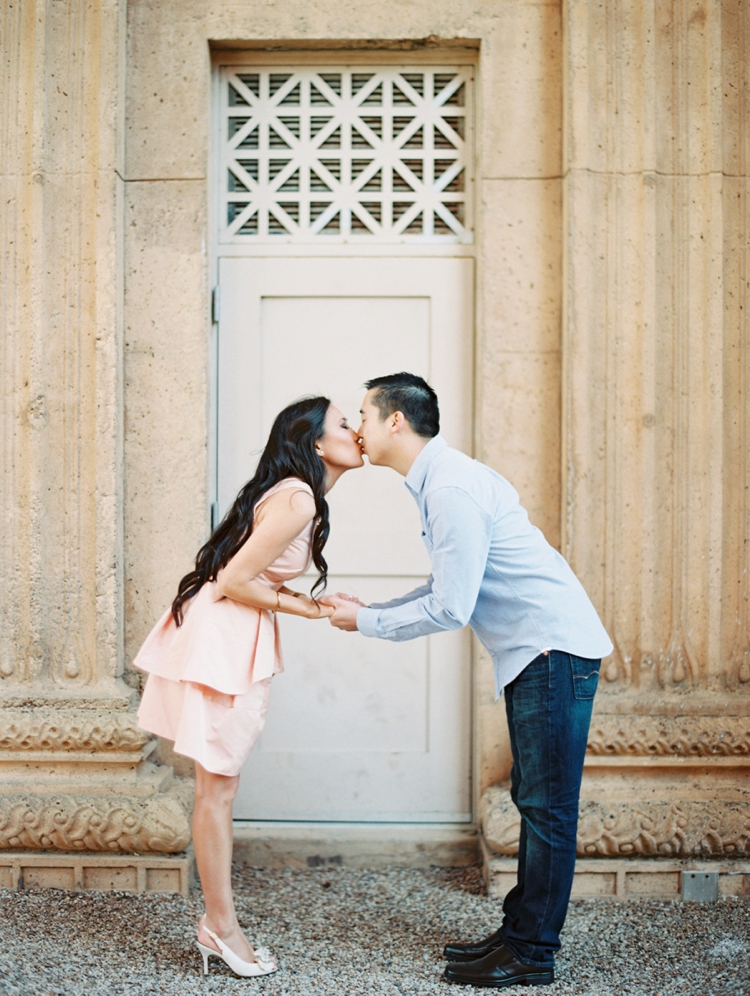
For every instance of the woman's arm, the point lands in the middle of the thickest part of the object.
(279, 521)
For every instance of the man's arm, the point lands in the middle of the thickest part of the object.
(410, 596)
(460, 532)
(347, 606)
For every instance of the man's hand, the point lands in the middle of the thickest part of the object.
(345, 609)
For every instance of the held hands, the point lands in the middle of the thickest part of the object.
(314, 609)
(344, 610)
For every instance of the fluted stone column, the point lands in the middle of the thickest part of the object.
(656, 419)
(74, 768)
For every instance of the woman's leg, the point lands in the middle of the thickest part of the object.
(212, 841)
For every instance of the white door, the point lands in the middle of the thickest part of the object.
(358, 729)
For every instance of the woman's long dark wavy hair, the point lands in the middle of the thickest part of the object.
(289, 452)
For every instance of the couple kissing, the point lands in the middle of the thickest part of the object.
(211, 657)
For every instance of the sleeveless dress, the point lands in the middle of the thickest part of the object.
(209, 679)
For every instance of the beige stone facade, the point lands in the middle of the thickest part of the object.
(612, 368)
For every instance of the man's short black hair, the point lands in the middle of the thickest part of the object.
(412, 396)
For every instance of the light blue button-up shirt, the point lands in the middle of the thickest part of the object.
(491, 569)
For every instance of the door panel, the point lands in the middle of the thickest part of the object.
(342, 340)
(362, 729)
(358, 729)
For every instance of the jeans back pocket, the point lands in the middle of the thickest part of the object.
(585, 676)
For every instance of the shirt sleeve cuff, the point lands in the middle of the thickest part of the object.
(367, 621)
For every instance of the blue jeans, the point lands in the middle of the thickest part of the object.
(549, 710)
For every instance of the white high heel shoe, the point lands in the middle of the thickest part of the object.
(264, 965)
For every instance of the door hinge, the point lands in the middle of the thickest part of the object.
(215, 305)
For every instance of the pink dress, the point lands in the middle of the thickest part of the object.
(210, 678)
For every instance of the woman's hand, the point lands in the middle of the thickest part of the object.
(345, 609)
(315, 610)
(348, 598)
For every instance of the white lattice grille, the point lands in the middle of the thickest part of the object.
(346, 154)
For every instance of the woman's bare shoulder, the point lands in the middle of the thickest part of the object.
(292, 495)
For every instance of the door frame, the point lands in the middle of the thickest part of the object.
(303, 56)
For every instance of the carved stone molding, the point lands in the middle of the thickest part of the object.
(159, 823)
(665, 737)
(66, 731)
(688, 829)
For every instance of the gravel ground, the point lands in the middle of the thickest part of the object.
(351, 932)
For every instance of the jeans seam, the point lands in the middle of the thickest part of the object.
(541, 917)
(548, 800)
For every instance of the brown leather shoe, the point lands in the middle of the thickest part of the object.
(499, 969)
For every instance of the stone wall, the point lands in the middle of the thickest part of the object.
(611, 380)
(656, 413)
(75, 768)
(656, 420)
(519, 251)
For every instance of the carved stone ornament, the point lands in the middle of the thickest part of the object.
(70, 731)
(500, 821)
(688, 829)
(155, 823)
(665, 737)
(691, 829)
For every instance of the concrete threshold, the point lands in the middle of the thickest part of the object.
(268, 844)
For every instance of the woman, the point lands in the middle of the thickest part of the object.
(212, 656)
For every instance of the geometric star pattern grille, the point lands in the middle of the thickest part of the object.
(357, 154)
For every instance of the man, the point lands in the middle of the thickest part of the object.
(493, 570)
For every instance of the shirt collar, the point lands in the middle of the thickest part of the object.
(418, 470)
